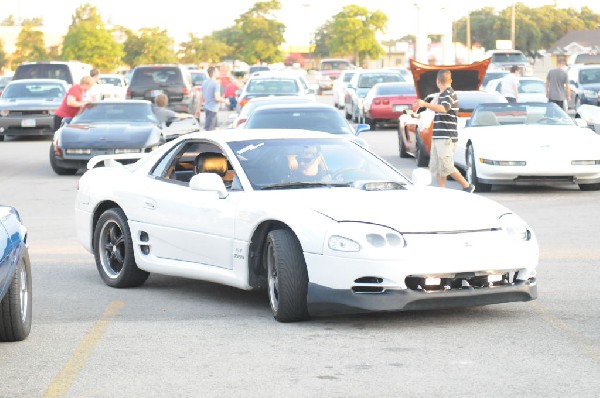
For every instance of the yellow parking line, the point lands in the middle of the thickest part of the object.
(65, 378)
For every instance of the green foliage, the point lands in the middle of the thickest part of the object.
(320, 39)
(259, 35)
(151, 46)
(3, 57)
(88, 40)
(29, 46)
(9, 21)
(206, 49)
(535, 28)
(353, 31)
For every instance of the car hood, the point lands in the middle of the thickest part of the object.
(30, 104)
(114, 135)
(396, 208)
(532, 139)
(464, 77)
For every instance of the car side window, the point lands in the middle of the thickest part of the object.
(192, 157)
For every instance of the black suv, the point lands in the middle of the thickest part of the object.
(147, 81)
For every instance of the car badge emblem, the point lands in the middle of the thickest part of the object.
(467, 244)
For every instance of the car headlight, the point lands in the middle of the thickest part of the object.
(4, 113)
(590, 93)
(342, 244)
(515, 227)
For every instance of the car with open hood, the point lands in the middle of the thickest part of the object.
(415, 129)
(276, 210)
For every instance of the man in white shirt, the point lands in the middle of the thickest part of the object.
(94, 93)
(509, 85)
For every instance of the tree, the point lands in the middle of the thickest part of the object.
(89, 41)
(3, 57)
(353, 31)
(320, 39)
(482, 28)
(198, 50)
(151, 46)
(528, 35)
(29, 46)
(260, 34)
(9, 21)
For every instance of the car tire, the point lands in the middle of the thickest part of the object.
(371, 122)
(15, 307)
(422, 158)
(402, 144)
(61, 171)
(286, 275)
(1, 137)
(113, 251)
(589, 187)
(471, 172)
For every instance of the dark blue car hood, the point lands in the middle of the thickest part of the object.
(110, 135)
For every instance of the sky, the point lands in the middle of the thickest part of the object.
(301, 17)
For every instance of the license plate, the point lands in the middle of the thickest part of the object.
(28, 123)
(154, 93)
(400, 108)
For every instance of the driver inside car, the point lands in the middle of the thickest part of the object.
(307, 164)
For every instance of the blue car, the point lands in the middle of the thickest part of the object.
(15, 277)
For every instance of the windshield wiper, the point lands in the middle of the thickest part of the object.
(299, 184)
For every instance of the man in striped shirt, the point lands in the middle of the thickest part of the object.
(445, 132)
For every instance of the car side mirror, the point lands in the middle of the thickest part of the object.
(349, 85)
(209, 182)
(468, 123)
(580, 122)
(361, 128)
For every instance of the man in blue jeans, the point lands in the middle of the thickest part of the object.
(211, 96)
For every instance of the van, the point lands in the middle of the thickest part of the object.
(175, 81)
(69, 71)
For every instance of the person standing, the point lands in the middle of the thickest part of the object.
(211, 97)
(557, 85)
(162, 113)
(509, 85)
(231, 93)
(445, 133)
(73, 101)
(94, 94)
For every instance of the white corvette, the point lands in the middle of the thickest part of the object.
(527, 143)
(319, 222)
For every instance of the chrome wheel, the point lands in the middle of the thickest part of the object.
(273, 280)
(24, 295)
(112, 249)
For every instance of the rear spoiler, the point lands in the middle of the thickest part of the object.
(114, 160)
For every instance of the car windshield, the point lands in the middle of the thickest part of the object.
(369, 80)
(156, 75)
(468, 100)
(396, 89)
(114, 81)
(532, 87)
(335, 65)
(249, 108)
(34, 90)
(525, 113)
(273, 86)
(329, 121)
(198, 78)
(121, 112)
(589, 76)
(348, 76)
(508, 57)
(299, 163)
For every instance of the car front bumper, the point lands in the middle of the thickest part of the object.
(34, 125)
(324, 300)
(525, 175)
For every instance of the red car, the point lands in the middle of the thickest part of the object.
(385, 102)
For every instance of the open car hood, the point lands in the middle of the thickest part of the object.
(464, 77)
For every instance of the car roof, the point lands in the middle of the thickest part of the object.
(232, 135)
(300, 106)
(39, 81)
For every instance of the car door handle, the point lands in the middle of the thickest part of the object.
(149, 204)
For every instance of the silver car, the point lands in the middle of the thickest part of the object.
(27, 106)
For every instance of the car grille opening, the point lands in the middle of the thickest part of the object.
(369, 285)
(466, 280)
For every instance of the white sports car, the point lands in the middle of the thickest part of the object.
(529, 143)
(319, 222)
